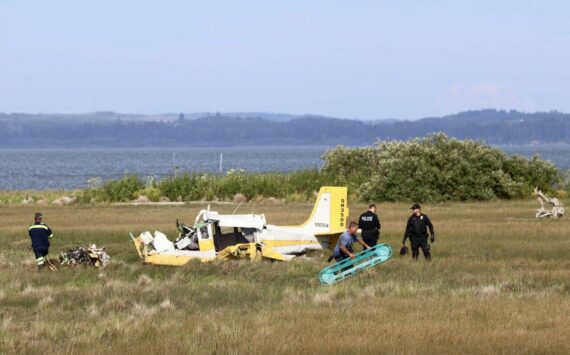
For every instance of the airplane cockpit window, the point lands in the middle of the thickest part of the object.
(248, 234)
(204, 232)
(228, 236)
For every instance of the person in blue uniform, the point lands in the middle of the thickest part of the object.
(40, 234)
(343, 249)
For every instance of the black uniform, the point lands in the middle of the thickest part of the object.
(370, 226)
(40, 234)
(417, 231)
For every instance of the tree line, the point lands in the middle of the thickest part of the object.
(491, 126)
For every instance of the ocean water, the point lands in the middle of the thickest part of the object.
(51, 169)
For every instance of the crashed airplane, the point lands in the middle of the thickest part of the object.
(217, 236)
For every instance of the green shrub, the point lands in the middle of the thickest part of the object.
(152, 193)
(185, 188)
(350, 166)
(437, 168)
(531, 173)
(122, 190)
(197, 187)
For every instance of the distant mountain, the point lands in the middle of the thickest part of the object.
(109, 129)
(91, 117)
(166, 117)
(277, 117)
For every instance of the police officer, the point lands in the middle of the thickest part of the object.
(343, 249)
(40, 234)
(369, 225)
(417, 231)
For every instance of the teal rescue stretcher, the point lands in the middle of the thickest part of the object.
(350, 267)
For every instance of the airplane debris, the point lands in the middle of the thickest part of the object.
(92, 255)
(557, 209)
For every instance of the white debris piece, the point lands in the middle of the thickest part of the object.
(146, 237)
(557, 209)
(183, 243)
(92, 255)
(161, 242)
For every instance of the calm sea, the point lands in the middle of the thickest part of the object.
(71, 169)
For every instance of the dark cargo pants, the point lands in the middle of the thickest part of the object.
(422, 243)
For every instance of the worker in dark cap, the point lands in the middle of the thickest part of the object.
(417, 231)
(40, 234)
(369, 225)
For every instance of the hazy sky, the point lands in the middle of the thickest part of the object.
(360, 59)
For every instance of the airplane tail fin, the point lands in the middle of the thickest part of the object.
(330, 212)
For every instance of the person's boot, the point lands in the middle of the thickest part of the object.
(41, 267)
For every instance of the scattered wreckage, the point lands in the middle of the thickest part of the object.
(217, 236)
(91, 255)
(557, 208)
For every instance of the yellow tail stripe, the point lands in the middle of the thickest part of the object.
(286, 243)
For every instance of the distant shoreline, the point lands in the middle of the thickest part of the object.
(106, 130)
(163, 148)
(237, 147)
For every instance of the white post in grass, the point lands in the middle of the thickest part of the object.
(221, 161)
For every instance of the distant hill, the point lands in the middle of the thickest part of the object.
(278, 117)
(109, 129)
(162, 117)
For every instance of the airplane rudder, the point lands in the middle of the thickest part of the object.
(339, 208)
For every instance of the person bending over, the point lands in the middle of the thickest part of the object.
(343, 249)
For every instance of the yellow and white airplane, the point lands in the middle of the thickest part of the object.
(236, 236)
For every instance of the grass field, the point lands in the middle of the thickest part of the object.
(499, 283)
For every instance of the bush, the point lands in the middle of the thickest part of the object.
(122, 190)
(531, 173)
(186, 187)
(350, 166)
(197, 187)
(152, 193)
(437, 168)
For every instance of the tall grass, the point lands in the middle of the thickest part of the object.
(296, 186)
(498, 283)
(8, 197)
(251, 186)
